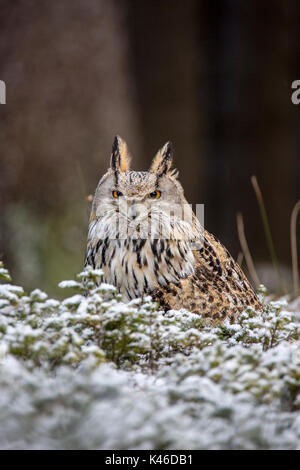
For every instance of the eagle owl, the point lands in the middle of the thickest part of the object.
(145, 237)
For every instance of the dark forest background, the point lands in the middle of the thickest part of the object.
(212, 76)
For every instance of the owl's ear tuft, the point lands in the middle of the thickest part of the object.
(120, 156)
(163, 161)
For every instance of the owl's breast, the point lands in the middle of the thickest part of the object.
(138, 266)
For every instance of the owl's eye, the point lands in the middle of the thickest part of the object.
(155, 195)
(117, 194)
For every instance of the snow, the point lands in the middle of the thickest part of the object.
(92, 372)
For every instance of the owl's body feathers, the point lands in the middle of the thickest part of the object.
(217, 289)
(144, 248)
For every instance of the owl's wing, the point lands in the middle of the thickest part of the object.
(218, 288)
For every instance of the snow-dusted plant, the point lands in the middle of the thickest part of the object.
(94, 321)
(93, 372)
(267, 328)
(33, 328)
(130, 334)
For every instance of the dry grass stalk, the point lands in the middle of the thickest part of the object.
(246, 251)
(267, 230)
(294, 250)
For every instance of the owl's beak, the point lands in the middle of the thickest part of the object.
(133, 212)
(135, 209)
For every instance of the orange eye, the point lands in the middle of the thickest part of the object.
(155, 195)
(116, 194)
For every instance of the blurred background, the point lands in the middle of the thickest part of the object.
(212, 76)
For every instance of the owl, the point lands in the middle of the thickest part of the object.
(147, 240)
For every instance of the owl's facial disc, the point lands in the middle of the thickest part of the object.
(124, 196)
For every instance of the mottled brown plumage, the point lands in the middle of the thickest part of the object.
(147, 240)
(218, 288)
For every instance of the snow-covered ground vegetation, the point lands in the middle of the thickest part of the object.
(93, 372)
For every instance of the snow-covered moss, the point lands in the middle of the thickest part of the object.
(93, 372)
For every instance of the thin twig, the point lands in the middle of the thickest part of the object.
(267, 230)
(294, 250)
(246, 251)
(240, 258)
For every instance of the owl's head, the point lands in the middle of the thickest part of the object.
(137, 198)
